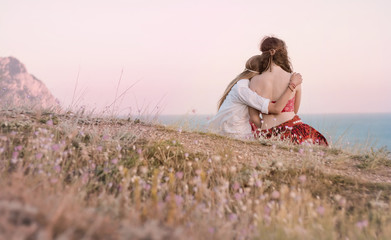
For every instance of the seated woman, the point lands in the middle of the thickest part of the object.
(232, 118)
(274, 79)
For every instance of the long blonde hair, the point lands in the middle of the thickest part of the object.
(253, 66)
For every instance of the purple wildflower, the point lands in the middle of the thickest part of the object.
(38, 156)
(302, 178)
(114, 161)
(362, 224)
(55, 147)
(267, 210)
(147, 186)
(179, 175)
(238, 196)
(57, 168)
(258, 183)
(320, 210)
(236, 186)
(84, 178)
(275, 195)
(18, 148)
(178, 200)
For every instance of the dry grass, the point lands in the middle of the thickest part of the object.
(76, 177)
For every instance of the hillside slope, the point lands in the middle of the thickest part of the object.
(72, 177)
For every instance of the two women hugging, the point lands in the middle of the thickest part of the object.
(270, 87)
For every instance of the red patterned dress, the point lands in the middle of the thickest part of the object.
(294, 129)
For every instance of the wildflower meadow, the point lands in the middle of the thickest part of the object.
(76, 176)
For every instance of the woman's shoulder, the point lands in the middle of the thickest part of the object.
(263, 78)
(280, 75)
(240, 84)
(243, 82)
(261, 82)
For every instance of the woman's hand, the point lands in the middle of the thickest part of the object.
(296, 79)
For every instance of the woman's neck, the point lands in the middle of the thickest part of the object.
(274, 67)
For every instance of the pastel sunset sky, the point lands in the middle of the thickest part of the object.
(182, 54)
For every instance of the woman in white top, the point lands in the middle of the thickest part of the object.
(232, 118)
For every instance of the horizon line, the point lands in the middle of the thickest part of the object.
(341, 113)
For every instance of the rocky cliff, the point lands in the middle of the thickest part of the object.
(19, 88)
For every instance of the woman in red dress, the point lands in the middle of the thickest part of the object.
(274, 79)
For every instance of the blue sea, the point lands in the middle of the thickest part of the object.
(356, 131)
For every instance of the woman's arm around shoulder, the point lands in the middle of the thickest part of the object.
(250, 98)
(259, 86)
(297, 99)
(295, 81)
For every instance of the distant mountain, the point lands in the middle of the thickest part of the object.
(19, 88)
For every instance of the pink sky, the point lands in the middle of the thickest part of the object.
(184, 53)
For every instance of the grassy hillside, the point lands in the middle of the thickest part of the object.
(69, 176)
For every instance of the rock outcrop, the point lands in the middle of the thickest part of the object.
(19, 88)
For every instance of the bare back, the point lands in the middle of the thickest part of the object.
(272, 85)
